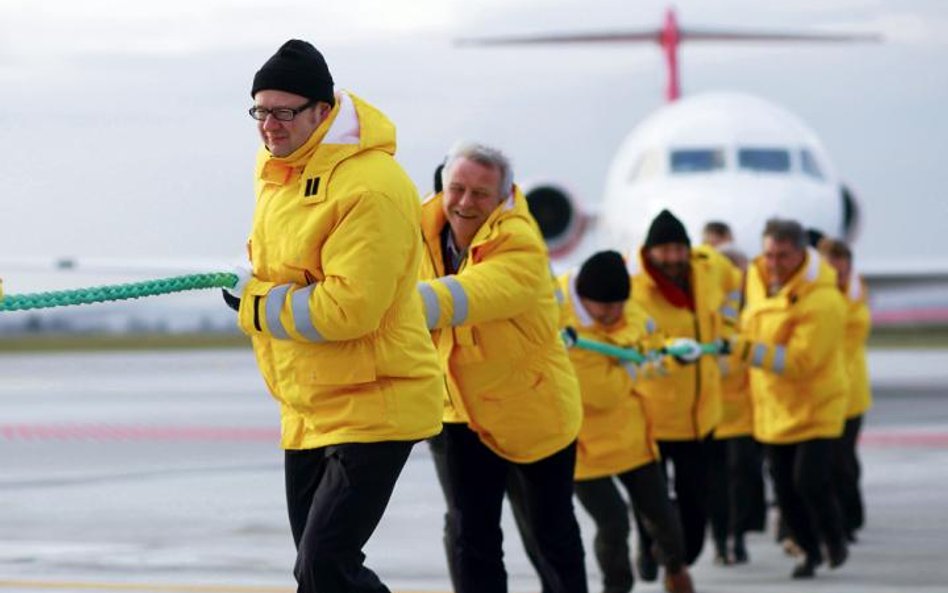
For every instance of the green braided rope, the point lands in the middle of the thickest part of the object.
(116, 292)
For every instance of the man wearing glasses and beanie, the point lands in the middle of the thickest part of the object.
(332, 309)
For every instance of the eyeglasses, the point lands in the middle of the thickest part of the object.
(280, 113)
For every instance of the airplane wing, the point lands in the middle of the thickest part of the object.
(907, 292)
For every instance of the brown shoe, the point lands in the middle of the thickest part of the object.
(679, 582)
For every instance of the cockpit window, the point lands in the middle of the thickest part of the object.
(696, 160)
(764, 160)
(810, 165)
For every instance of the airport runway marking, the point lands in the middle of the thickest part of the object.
(168, 588)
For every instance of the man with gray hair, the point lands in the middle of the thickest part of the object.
(792, 339)
(513, 410)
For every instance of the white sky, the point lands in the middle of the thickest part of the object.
(124, 129)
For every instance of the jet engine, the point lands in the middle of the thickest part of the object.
(561, 222)
(852, 214)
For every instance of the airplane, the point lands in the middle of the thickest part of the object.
(723, 156)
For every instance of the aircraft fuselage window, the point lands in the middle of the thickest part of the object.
(696, 160)
(764, 160)
(809, 164)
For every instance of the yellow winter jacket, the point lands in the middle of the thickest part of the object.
(616, 436)
(737, 417)
(858, 324)
(496, 327)
(332, 309)
(793, 342)
(686, 404)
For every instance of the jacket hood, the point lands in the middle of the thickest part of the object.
(814, 274)
(353, 126)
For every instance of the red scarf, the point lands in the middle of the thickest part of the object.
(673, 293)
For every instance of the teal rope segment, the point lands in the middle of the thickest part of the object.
(116, 292)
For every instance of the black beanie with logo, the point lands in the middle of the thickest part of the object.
(666, 229)
(298, 68)
(604, 278)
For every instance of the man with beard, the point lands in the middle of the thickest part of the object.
(693, 295)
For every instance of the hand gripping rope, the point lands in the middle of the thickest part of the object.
(115, 292)
(628, 354)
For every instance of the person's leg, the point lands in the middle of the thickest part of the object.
(748, 507)
(814, 481)
(690, 461)
(846, 474)
(548, 497)
(436, 446)
(645, 562)
(783, 461)
(478, 478)
(718, 499)
(601, 499)
(518, 508)
(351, 495)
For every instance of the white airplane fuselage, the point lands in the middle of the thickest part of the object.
(728, 157)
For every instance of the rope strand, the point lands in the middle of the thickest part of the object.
(115, 292)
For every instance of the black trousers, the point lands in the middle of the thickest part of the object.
(477, 479)
(691, 482)
(648, 494)
(336, 496)
(802, 474)
(846, 474)
(737, 499)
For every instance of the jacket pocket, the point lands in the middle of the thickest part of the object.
(337, 363)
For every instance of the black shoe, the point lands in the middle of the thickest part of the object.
(739, 554)
(851, 537)
(804, 570)
(837, 554)
(648, 568)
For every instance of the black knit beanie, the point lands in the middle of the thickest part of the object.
(604, 278)
(666, 229)
(298, 68)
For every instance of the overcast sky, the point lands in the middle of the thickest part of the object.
(125, 131)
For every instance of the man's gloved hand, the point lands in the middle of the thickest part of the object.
(232, 295)
(570, 336)
(685, 350)
(723, 346)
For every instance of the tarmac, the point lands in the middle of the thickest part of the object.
(161, 472)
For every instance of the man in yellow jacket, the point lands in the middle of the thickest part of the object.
(616, 441)
(513, 401)
(332, 309)
(846, 467)
(693, 295)
(792, 337)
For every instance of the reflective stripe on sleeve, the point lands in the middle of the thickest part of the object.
(432, 307)
(302, 322)
(275, 299)
(729, 312)
(650, 325)
(757, 359)
(631, 369)
(459, 297)
(780, 359)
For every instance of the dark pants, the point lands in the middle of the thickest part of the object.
(737, 503)
(336, 496)
(477, 480)
(846, 474)
(802, 474)
(648, 494)
(689, 460)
